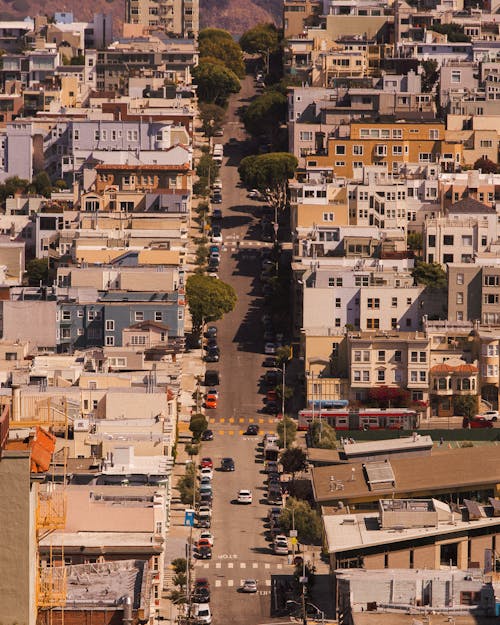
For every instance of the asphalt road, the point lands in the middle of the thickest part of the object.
(240, 550)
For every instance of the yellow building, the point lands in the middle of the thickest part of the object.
(390, 145)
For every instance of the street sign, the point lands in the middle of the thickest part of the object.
(302, 580)
(189, 518)
(293, 540)
(293, 533)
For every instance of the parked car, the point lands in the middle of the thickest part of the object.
(270, 362)
(219, 132)
(271, 407)
(216, 236)
(204, 552)
(206, 499)
(216, 198)
(211, 402)
(272, 378)
(205, 479)
(207, 435)
(249, 585)
(212, 355)
(252, 430)
(208, 537)
(280, 545)
(216, 214)
(211, 332)
(201, 613)
(207, 472)
(254, 194)
(227, 464)
(205, 488)
(201, 595)
(491, 415)
(245, 496)
(270, 348)
(477, 422)
(207, 463)
(212, 378)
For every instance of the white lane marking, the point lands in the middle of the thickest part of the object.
(243, 565)
(279, 566)
(218, 583)
(230, 565)
(218, 565)
(230, 582)
(206, 565)
(267, 565)
(255, 565)
(268, 582)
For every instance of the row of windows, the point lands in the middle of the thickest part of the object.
(449, 239)
(395, 133)
(364, 356)
(110, 324)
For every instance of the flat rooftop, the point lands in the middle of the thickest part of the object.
(406, 443)
(448, 471)
(376, 618)
(346, 532)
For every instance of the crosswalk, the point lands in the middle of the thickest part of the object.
(227, 572)
(222, 566)
(235, 420)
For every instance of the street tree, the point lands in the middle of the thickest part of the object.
(288, 425)
(293, 460)
(465, 405)
(219, 43)
(269, 173)
(212, 118)
(198, 424)
(215, 82)
(288, 391)
(322, 435)
(209, 299)
(260, 39)
(430, 274)
(284, 353)
(179, 565)
(207, 167)
(266, 114)
(298, 514)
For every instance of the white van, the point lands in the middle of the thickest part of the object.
(217, 185)
(202, 614)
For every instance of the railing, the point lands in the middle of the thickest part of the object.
(4, 427)
(51, 511)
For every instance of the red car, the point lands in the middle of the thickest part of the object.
(207, 462)
(477, 422)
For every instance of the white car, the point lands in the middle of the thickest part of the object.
(490, 415)
(207, 472)
(245, 496)
(255, 194)
(249, 585)
(201, 613)
(207, 536)
(280, 545)
(270, 349)
(216, 237)
(204, 512)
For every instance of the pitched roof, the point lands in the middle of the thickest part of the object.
(470, 205)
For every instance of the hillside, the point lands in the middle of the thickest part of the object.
(233, 15)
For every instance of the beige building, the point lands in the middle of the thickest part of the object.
(176, 17)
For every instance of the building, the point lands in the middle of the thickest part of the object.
(178, 18)
(444, 474)
(473, 292)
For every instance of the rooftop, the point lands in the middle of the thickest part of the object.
(444, 471)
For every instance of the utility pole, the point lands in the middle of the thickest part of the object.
(189, 553)
(283, 371)
(304, 582)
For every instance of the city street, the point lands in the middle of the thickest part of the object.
(240, 549)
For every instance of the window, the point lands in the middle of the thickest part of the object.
(110, 340)
(97, 135)
(138, 339)
(434, 134)
(91, 315)
(357, 150)
(456, 76)
(448, 239)
(397, 150)
(397, 356)
(460, 315)
(413, 376)
(394, 323)
(381, 150)
(414, 357)
(357, 375)
(431, 240)
(66, 315)
(328, 216)
(306, 135)
(381, 355)
(79, 332)
(110, 325)
(491, 280)
(460, 278)
(422, 376)
(381, 375)
(394, 302)
(490, 298)
(76, 135)
(139, 315)
(408, 301)
(486, 143)
(357, 356)
(366, 376)
(447, 258)
(460, 298)
(331, 281)
(417, 395)
(158, 315)
(340, 150)
(338, 302)
(373, 302)
(79, 313)
(467, 239)
(337, 322)
(361, 280)
(397, 133)
(373, 324)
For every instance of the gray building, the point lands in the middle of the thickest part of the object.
(98, 318)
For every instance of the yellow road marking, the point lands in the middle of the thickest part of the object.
(261, 420)
(221, 432)
(231, 420)
(222, 420)
(241, 420)
(231, 432)
(251, 420)
(241, 432)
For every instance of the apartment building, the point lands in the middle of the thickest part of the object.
(473, 292)
(178, 18)
(388, 145)
(466, 229)
(299, 14)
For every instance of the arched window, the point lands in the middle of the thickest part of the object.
(442, 384)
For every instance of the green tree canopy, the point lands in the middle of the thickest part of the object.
(208, 298)
(215, 82)
(220, 44)
(322, 435)
(291, 431)
(269, 173)
(207, 167)
(307, 521)
(263, 38)
(212, 118)
(198, 424)
(430, 274)
(415, 241)
(265, 114)
(37, 270)
(454, 32)
(293, 460)
(465, 405)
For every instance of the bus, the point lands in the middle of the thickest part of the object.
(362, 419)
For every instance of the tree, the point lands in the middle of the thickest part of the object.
(261, 39)
(430, 75)
(209, 299)
(42, 184)
(207, 167)
(212, 118)
(269, 173)
(486, 166)
(465, 405)
(218, 43)
(198, 424)
(179, 565)
(288, 391)
(293, 460)
(430, 274)
(322, 435)
(291, 431)
(453, 31)
(284, 353)
(307, 521)
(266, 114)
(215, 82)
(37, 270)
(388, 397)
(186, 485)
(12, 186)
(415, 241)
